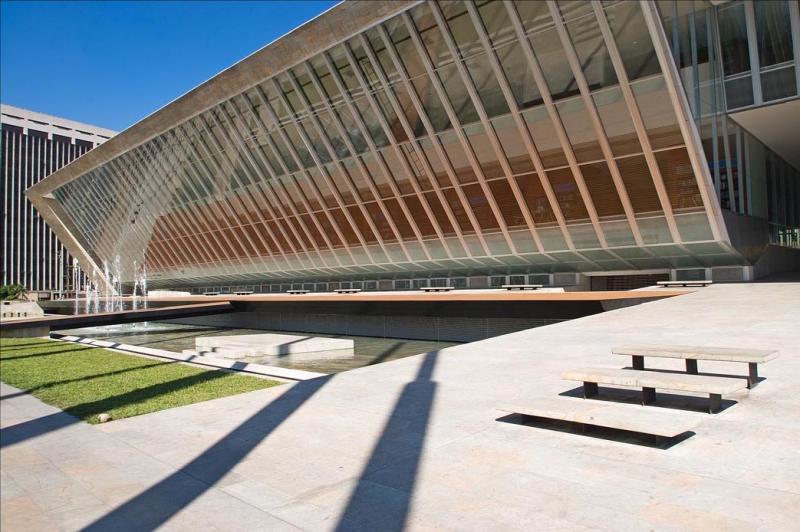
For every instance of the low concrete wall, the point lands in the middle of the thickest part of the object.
(444, 321)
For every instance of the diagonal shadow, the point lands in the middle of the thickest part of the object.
(155, 506)
(39, 426)
(386, 354)
(382, 498)
(48, 353)
(84, 378)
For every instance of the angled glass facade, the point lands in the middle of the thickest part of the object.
(448, 139)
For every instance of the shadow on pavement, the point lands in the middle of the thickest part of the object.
(382, 498)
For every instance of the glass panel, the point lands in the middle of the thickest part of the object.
(774, 32)
(431, 103)
(572, 9)
(457, 93)
(679, 179)
(553, 63)
(398, 34)
(439, 213)
(733, 40)
(579, 129)
(458, 210)
(544, 137)
(513, 145)
(431, 35)
(534, 196)
(437, 165)
(487, 86)
(639, 184)
(777, 84)
(739, 92)
(617, 121)
(569, 197)
(458, 159)
(618, 233)
(534, 15)
(480, 206)
(409, 110)
(519, 76)
(694, 227)
(421, 219)
(592, 53)
(602, 190)
(484, 151)
(583, 236)
(659, 117)
(506, 202)
(633, 40)
(496, 21)
(462, 28)
(371, 121)
(654, 230)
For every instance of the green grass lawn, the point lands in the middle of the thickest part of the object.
(86, 381)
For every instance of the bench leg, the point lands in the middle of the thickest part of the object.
(714, 403)
(648, 396)
(589, 389)
(752, 379)
(638, 361)
(691, 366)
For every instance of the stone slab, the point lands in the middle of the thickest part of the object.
(721, 354)
(659, 422)
(654, 379)
(271, 344)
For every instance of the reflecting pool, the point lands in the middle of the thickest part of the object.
(176, 338)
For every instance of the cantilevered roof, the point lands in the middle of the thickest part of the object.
(318, 34)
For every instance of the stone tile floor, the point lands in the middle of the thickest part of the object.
(415, 444)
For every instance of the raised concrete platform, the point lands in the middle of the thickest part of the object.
(414, 443)
(274, 345)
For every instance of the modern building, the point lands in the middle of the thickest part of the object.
(33, 146)
(393, 144)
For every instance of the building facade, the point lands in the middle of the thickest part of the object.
(393, 144)
(32, 146)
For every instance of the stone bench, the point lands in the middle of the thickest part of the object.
(297, 291)
(436, 288)
(243, 293)
(521, 286)
(684, 283)
(618, 416)
(347, 290)
(649, 381)
(751, 357)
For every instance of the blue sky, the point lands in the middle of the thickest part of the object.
(112, 63)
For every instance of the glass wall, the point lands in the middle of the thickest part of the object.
(752, 64)
(455, 136)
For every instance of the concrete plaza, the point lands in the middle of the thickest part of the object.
(415, 443)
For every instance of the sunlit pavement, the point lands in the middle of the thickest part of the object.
(414, 443)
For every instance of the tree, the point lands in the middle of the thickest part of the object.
(13, 291)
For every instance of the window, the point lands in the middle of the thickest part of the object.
(774, 32)
(733, 39)
(633, 39)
